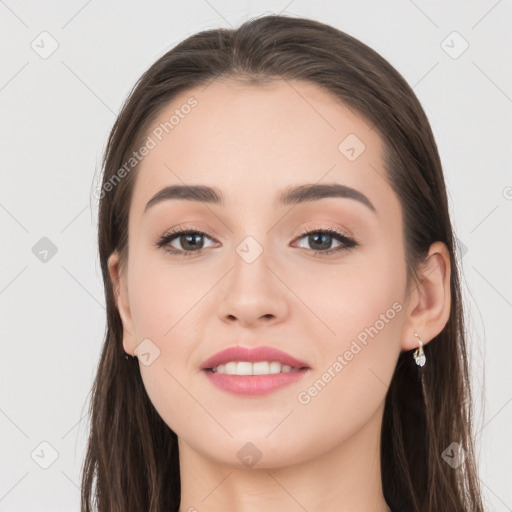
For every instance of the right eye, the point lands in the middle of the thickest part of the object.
(190, 240)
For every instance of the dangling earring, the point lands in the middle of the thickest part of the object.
(419, 355)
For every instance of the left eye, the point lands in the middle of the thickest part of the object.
(319, 238)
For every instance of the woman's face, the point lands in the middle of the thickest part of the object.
(259, 280)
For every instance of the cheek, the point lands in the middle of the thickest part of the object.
(358, 338)
(166, 306)
(350, 383)
(161, 297)
(349, 298)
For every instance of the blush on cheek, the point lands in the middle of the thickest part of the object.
(157, 298)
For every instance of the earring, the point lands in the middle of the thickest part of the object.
(128, 356)
(419, 355)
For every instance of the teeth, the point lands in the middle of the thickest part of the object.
(259, 368)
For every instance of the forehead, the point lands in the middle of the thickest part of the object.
(253, 142)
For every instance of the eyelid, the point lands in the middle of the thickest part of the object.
(306, 231)
(325, 227)
(187, 227)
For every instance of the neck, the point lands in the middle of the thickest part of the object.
(345, 478)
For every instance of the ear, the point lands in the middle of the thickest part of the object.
(120, 288)
(430, 299)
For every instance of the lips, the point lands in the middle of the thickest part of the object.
(262, 353)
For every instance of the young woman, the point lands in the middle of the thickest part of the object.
(284, 317)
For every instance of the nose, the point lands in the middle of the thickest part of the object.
(253, 294)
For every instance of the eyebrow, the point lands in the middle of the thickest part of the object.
(292, 195)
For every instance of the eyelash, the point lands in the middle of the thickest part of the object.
(166, 239)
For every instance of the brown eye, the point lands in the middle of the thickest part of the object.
(184, 242)
(189, 241)
(320, 241)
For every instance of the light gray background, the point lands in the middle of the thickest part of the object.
(56, 115)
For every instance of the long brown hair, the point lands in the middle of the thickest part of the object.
(132, 460)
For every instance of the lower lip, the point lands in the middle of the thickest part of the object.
(250, 385)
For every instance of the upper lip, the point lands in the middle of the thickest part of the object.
(262, 353)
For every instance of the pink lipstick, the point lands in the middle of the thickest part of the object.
(256, 371)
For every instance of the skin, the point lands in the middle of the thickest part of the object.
(252, 142)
